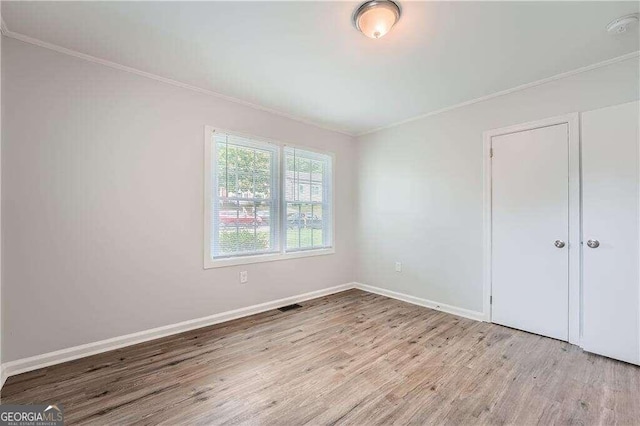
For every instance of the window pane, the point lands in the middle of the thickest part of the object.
(243, 241)
(303, 238)
(244, 203)
(222, 183)
(308, 195)
(245, 184)
(316, 171)
(263, 210)
(296, 227)
(262, 161)
(303, 165)
(242, 158)
(316, 192)
(262, 185)
(304, 226)
(304, 191)
(289, 189)
(244, 227)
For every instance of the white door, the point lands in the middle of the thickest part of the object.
(610, 188)
(530, 231)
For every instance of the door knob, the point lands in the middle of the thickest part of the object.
(559, 243)
(593, 243)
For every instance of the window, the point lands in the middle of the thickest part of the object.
(246, 186)
(264, 201)
(307, 199)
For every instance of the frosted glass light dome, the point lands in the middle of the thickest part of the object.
(376, 17)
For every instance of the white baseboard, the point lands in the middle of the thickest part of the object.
(3, 375)
(461, 312)
(40, 361)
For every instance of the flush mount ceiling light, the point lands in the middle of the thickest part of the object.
(376, 17)
(621, 25)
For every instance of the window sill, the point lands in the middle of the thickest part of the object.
(259, 258)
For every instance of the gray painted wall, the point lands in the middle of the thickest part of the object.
(420, 185)
(1, 310)
(102, 187)
(102, 199)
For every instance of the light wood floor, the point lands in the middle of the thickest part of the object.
(349, 358)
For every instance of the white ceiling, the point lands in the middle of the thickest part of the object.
(305, 58)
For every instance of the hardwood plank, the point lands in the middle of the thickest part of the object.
(349, 358)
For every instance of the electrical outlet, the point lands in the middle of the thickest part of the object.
(244, 277)
(398, 267)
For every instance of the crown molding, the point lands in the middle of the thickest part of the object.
(37, 42)
(525, 86)
(8, 33)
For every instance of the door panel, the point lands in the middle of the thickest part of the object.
(530, 210)
(610, 215)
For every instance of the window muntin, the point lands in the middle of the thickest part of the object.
(265, 201)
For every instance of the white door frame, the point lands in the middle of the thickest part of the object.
(573, 125)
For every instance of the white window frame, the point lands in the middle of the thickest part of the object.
(209, 261)
(327, 233)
